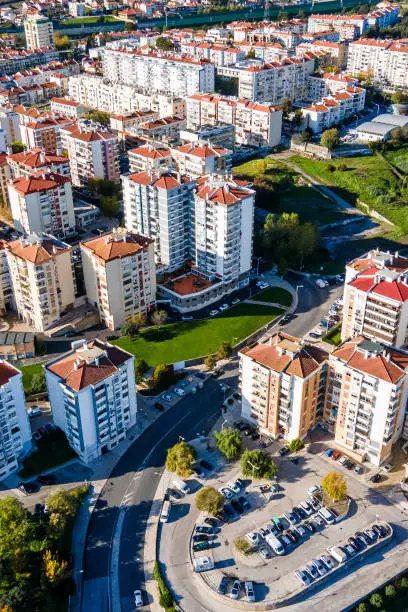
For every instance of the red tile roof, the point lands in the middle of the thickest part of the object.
(39, 252)
(36, 183)
(7, 371)
(115, 246)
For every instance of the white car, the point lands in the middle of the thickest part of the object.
(138, 598)
(343, 460)
(235, 301)
(320, 566)
(327, 562)
(179, 391)
(223, 307)
(236, 587)
(33, 411)
(249, 589)
(227, 493)
(234, 487)
(306, 508)
(314, 489)
(254, 538)
(388, 467)
(213, 313)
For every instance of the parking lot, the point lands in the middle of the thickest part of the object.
(273, 577)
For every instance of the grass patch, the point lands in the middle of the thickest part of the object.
(398, 158)
(310, 205)
(166, 598)
(368, 179)
(28, 373)
(53, 449)
(89, 20)
(334, 336)
(180, 341)
(275, 295)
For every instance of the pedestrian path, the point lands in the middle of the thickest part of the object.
(274, 304)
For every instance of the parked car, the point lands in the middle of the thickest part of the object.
(327, 562)
(222, 587)
(223, 307)
(328, 452)
(198, 472)
(321, 568)
(213, 313)
(237, 506)
(236, 587)
(33, 411)
(312, 571)
(201, 546)
(179, 391)
(284, 450)
(167, 397)
(47, 479)
(200, 537)
(314, 489)
(159, 406)
(380, 530)
(309, 526)
(319, 521)
(203, 529)
(335, 455)
(291, 518)
(375, 478)
(235, 488)
(265, 553)
(36, 436)
(138, 598)
(212, 522)
(227, 493)
(38, 510)
(206, 464)
(304, 577)
(300, 530)
(254, 538)
(249, 590)
(388, 467)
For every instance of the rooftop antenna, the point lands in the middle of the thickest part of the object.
(266, 11)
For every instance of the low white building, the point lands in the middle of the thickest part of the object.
(92, 393)
(15, 434)
(334, 109)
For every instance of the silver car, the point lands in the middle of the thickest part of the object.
(249, 590)
(236, 587)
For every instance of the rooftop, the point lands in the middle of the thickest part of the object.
(116, 245)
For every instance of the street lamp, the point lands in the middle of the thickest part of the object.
(378, 108)
(254, 467)
(181, 439)
(222, 426)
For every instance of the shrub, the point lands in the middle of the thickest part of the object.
(331, 168)
(242, 545)
(209, 500)
(390, 590)
(166, 598)
(404, 582)
(210, 362)
(342, 167)
(376, 600)
(296, 445)
(362, 607)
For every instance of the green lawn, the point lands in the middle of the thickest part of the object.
(334, 336)
(275, 295)
(369, 179)
(181, 341)
(53, 449)
(29, 371)
(310, 205)
(89, 20)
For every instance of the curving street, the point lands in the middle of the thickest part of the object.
(134, 480)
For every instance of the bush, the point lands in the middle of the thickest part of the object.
(209, 500)
(342, 167)
(166, 598)
(331, 168)
(404, 583)
(296, 445)
(376, 600)
(242, 545)
(362, 607)
(210, 362)
(390, 590)
(224, 350)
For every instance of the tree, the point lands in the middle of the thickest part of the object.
(140, 367)
(362, 607)
(55, 569)
(180, 458)
(251, 54)
(164, 44)
(261, 166)
(133, 325)
(399, 97)
(224, 350)
(258, 464)
(376, 600)
(296, 445)
(15, 528)
(37, 384)
(306, 136)
(287, 107)
(229, 442)
(334, 485)
(17, 146)
(162, 376)
(209, 500)
(99, 117)
(330, 139)
(390, 590)
(61, 42)
(210, 362)
(110, 206)
(159, 317)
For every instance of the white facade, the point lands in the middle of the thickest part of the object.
(38, 31)
(15, 435)
(92, 394)
(120, 276)
(367, 395)
(158, 72)
(42, 203)
(386, 61)
(42, 277)
(334, 109)
(158, 206)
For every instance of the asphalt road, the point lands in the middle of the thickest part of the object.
(134, 480)
(136, 476)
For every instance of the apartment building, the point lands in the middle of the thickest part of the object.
(199, 158)
(42, 203)
(10, 124)
(164, 73)
(38, 30)
(69, 108)
(325, 84)
(15, 436)
(93, 152)
(12, 60)
(44, 132)
(255, 124)
(122, 124)
(121, 98)
(220, 55)
(150, 158)
(164, 129)
(42, 277)
(336, 53)
(376, 298)
(120, 275)
(219, 243)
(386, 61)
(366, 399)
(6, 287)
(276, 82)
(332, 110)
(37, 161)
(5, 175)
(319, 23)
(92, 395)
(283, 384)
(157, 205)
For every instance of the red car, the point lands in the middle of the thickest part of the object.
(335, 455)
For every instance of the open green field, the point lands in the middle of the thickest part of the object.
(90, 20)
(399, 159)
(282, 193)
(369, 179)
(182, 341)
(29, 371)
(274, 295)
